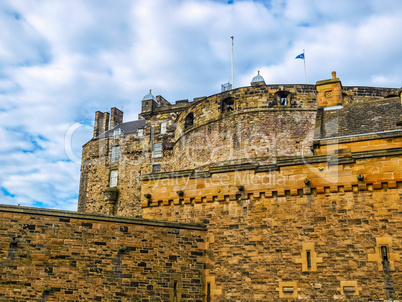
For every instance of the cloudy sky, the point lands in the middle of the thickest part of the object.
(60, 61)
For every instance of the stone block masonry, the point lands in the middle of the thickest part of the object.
(48, 255)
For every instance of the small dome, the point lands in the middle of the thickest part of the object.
(149, 96)
(257, 79)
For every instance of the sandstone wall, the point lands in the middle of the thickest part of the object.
(64, 256)
(261, 224)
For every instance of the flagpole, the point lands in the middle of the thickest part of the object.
(232, 37)
(304, 59)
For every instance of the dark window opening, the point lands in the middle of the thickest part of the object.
(282, 97)
(209, 292)
(384, 253)
(189, 120)
(156, 168)
(308, 259)
(227, 105)
(175, 291)
(349, 290)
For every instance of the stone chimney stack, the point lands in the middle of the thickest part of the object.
(116, 117)
(101, 123)
(329, 92)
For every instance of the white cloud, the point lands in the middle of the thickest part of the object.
(63, 60)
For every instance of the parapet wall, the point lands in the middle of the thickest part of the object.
(50, 255)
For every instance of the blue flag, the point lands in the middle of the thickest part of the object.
(300, 56)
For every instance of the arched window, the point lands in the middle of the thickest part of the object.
(227, 105)
(189, 120)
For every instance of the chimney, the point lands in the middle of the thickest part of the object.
(101, 123)
(116, 117)
(329, 92)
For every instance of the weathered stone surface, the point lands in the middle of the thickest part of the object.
(64, 256)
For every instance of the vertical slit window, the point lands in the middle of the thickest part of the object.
(308, 259)
(384, 253)
(175, 291)
(209, 292)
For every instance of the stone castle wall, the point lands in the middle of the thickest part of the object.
(64, 256)
(261, 224)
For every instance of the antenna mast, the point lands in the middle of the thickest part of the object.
(232, 37)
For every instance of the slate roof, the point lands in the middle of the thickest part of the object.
(129, 127)
(362, 118)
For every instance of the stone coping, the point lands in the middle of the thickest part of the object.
(102, 218)
(357, 137)
(281, 162)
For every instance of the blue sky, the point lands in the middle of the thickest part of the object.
(60, 61)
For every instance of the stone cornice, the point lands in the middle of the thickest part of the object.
(98, 217)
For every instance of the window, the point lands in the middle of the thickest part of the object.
(163, 128)
(189, 120)
(115, 153)
(117, 133)
(114, 175)
(140, 132)
(384, 253)
(282, 97)
(156, 168)
(227, 105)
(157, 150)
(349, 290)
(308, 259)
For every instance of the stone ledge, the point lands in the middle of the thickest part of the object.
(281, 162)
(98, 217)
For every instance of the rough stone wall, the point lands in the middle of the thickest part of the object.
(255, 136)
(136, 158)
(64, 256)
(209, 109)
(259, 234)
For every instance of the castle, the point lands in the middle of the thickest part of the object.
(259, 193)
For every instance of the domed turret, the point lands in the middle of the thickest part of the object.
(149, 96)
(257, 80)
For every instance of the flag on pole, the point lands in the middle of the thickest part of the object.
(301, 56)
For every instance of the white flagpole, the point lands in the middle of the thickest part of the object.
(304, 59)
(232, 37)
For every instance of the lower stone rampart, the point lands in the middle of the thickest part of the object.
(323, 228)
(50, 255)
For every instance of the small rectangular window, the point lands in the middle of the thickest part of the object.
(116, 133)
(156, 168)
(140, 132)
(348, 290)
(115, 153)
(114, 175)
(157, 150)
(288, 290)
(163, 128)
